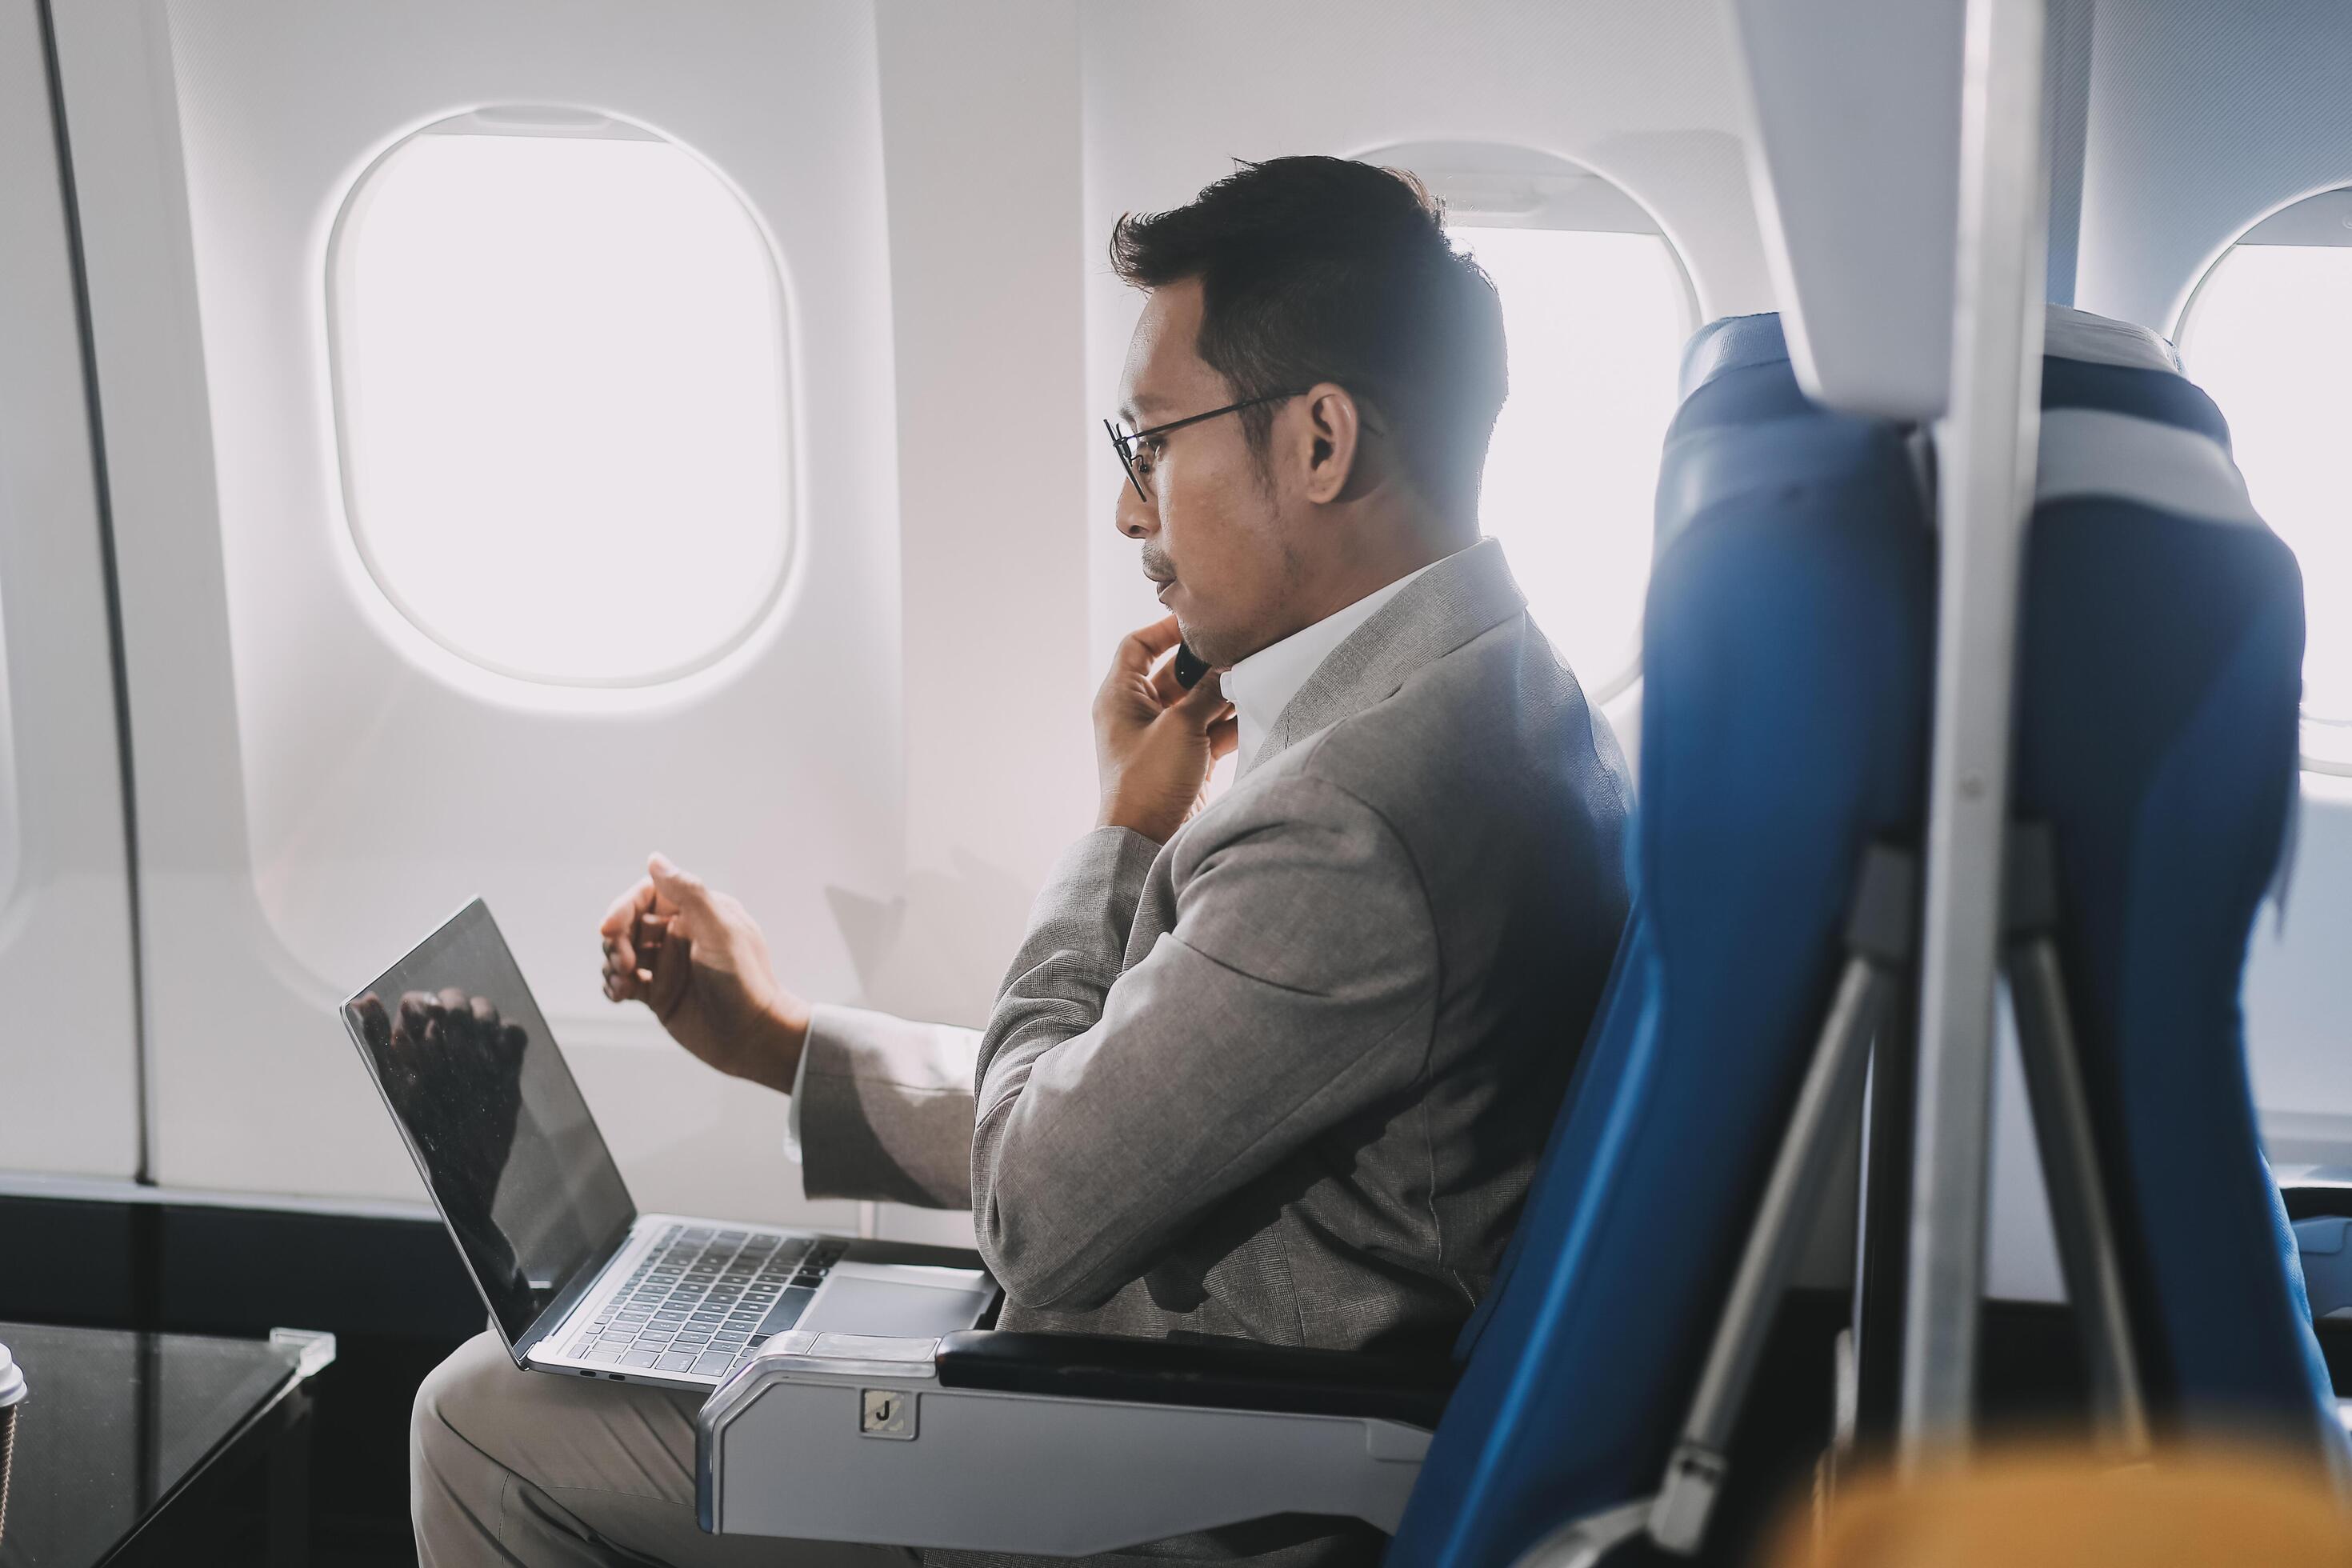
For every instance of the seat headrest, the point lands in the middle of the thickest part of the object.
(1745, 427)
(1729, 343)
(1735, 343)
(2120, 421)
(2071, 334)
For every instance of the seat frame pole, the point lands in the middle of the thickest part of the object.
(1986, 445)
(1883, 1226)
(2080, 1213)
(1878, 947)
(1879, 944)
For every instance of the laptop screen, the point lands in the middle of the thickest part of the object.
(494, 1117)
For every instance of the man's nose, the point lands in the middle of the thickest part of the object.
(1133, 516)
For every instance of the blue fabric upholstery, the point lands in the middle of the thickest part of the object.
(1786, 663)
(2167, 399)
(2157, 732)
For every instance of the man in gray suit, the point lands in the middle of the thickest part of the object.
(1277, 1067)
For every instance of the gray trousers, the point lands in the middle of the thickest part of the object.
(521, 1467)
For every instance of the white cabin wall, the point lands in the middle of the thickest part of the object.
(979, 126)
(2202, 121)
(889, 770)
(317, 792)
(69, 1051)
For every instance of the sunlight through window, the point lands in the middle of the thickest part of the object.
(561, 391)
(1595, 323)
(2269, 336)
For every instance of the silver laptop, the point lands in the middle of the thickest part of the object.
(578, 1281)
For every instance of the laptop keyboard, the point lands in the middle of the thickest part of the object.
(702, 1297)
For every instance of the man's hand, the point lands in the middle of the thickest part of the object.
(697, 958)
(1155, 741)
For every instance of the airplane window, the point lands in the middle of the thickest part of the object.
(2268, 333)
(1596, 305)
(1595, 323)
(561, 399)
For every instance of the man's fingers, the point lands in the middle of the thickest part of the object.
(683, 888)
(1163, 684)
(1224, 736)
(627, 907)
(626, 963)
(624, 984)
(672, 966)
(1205, 704)
(1138, 649)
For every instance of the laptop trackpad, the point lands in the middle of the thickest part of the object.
(851, 1305)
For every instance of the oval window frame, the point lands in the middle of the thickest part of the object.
(2317, 218)
(554, 122)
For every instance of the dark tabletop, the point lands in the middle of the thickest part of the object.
(114, 1424)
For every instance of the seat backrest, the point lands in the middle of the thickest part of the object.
(1786, 670)
(2161, 660)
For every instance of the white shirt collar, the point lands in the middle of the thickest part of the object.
(1261, 686)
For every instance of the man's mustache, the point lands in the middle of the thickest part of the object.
(1156, 565)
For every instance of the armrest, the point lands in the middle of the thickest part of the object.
(1053, 1444)
(1220, 1376)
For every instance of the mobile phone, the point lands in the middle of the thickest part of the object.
(1189, 667)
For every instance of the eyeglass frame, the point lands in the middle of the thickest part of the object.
(1123, 445)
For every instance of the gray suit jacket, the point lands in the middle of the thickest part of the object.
(1286, 1076)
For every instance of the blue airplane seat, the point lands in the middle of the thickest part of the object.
(2160, 658)
(1787, 662)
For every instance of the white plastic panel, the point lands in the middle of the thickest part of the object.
(1857, 111)
(69, 1051)
(318, 789)
(2202, 121)
(989, 273)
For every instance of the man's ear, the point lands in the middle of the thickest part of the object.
(1331, 439)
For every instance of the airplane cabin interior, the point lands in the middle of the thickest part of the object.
(1656, 866)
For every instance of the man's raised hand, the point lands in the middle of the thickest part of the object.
(696, 959)
(1155, 741)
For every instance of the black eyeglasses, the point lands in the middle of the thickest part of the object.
(1124, 443)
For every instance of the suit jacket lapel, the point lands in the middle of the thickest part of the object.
(1466, 593)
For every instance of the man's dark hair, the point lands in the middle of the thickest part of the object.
(1330, 269)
